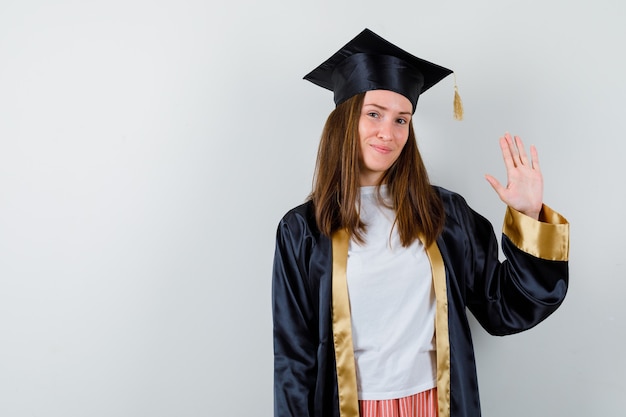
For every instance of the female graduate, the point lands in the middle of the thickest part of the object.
(374, 273)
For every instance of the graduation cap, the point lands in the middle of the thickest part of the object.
(369, 62)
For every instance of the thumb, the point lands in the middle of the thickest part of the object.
(499, 188)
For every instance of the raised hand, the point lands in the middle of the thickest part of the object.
(524, 189)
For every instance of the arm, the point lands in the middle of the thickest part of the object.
(294, 333)
(517, 294)
(520, 292)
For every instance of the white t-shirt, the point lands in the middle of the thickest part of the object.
(392, 304)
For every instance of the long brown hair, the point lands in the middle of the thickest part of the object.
(335, 194)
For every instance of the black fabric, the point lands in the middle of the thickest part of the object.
(364, 72)
(369, 62)
(505, 297)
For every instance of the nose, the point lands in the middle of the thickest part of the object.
(385, 131)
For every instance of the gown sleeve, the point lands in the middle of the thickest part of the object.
(293, 321)
(530, 284)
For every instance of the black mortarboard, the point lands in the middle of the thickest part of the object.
(369, 62)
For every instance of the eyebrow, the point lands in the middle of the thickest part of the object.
(385, 108)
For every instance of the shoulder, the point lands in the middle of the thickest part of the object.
(300, 220)
(302, 213)
(458, 211)
(450, 199)
(299, 235)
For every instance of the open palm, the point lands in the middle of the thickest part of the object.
(524, 189)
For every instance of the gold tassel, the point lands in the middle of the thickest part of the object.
(458, 104)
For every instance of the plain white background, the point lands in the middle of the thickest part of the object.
(149, 148)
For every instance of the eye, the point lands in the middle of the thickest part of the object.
(373, 114)
(401, 121)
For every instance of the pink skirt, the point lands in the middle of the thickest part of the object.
(422, 404)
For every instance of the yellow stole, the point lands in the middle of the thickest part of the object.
(342, 329)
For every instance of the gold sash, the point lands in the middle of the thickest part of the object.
(342, 329)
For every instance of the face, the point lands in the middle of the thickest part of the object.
(383, 132)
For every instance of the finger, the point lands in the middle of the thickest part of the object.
(514, 148)
(523, 158)
(499, 188)
(507, 153)
(534, 155)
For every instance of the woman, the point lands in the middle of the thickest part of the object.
(373, 274)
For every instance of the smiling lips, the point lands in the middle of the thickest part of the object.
(381, 148)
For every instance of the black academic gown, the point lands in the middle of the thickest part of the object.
(505, 297)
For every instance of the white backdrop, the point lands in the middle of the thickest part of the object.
(149, 148)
